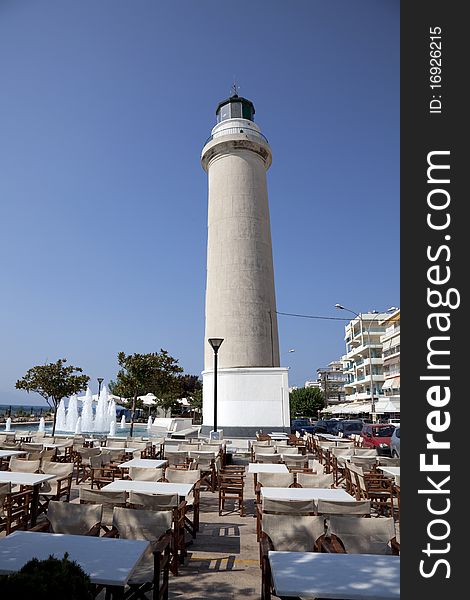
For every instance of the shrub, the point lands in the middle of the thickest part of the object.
(50, 579)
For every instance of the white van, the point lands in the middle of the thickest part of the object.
(395, 422)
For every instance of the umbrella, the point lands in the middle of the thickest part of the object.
(149, 399)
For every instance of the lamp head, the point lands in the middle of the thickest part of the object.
(215, 343)
(100, 380)
(339, 306)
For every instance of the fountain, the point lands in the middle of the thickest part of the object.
(149, 424)
(87, 411)
(60, 421)
(78, 426)
(112, 428)
(8, 424)
(42, 424)
(101, 417)
(123, 422)
(72, 414)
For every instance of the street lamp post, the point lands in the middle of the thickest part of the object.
(359, 316)
(100, 381)
(215, 343)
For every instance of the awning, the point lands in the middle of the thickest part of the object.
(392, 383)
(387, 406)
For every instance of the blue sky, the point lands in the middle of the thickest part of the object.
(104, 110)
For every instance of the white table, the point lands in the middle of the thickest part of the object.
(256, 468)
(267, 468)
(8, 453)
(345, 576)
(31, 479)
(148, 487)
(392, 471)
(277, 493)
(278, 435)
(108, 561)
(143, 463)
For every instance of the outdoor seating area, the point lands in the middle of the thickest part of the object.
(272, 511)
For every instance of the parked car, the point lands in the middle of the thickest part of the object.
(378, 436)
(395, 422)
(301, 425)
(395, 443)
(348, 427)
(325, 426)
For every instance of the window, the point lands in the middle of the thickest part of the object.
(236, 110)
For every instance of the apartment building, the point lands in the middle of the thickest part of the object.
(390, 401)
(331, 380)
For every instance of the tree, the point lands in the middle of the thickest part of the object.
(306, 402)
(53, 382)
(140, 374)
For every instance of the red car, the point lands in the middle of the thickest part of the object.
(378, 436)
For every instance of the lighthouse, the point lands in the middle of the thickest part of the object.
(252, 387)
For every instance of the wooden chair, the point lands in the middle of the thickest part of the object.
(374, 487)
(282, 507)
(146, 473)
(73, 519)
(15, 508)
(289, 532)
(101, 471)
(231, 486)
(168, 502)
(273, 480)
(58, 488)
(312, 480)
(83, 465)
(359, 508)
(192, 499)
(351, 535)
(24, 466)
(108, 500)
(152, 572)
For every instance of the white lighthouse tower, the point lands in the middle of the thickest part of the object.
(252, 388)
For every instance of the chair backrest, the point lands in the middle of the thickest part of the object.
(341, 451)
(57, 469)
(291, 532)
(366, 462)
(96, 461)
(88, 496)
(365, 452)
(363, 536)
(176, 457)
(116, 443)
(32, 447)
(153, 501)
(294, 460)
(276, 479)
(268, 458)
(287, 507)
(5, 489)
(312, 480)
(316, 466)
(289, 450)
(24, 466)
(85, 453)
(145, 474)
(264, 450)
(261, 444)
(359, 508)
(182, 476)
(387, 461)
(141, 524)
(74, 519)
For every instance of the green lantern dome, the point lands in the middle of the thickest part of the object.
(235, 107)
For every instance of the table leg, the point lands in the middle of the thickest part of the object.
(34, 505)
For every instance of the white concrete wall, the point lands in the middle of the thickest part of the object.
(247, 398)
(240, 295)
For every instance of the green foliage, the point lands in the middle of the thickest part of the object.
(140, 374)
(50, 579)
(53, 382)
(306, 402)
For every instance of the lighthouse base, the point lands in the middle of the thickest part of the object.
(248, 400)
